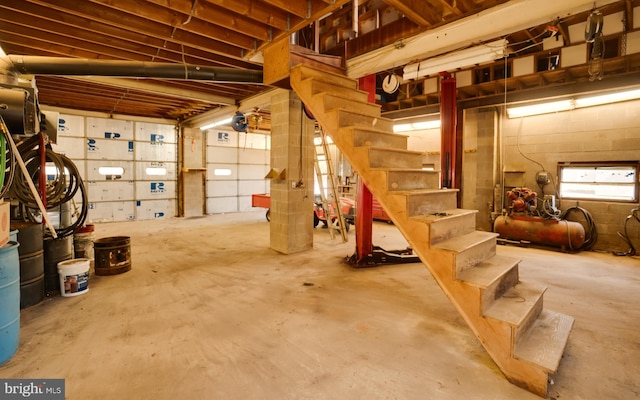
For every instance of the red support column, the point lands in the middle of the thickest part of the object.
(364, 222)
(448, 117)
(364, 198)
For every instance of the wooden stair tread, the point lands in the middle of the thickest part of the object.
(442, 216)
(516, 304)
(466, 241)
(324, 75)
(545, 341)
(483, 274)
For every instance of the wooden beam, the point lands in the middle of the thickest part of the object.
(175, 20)
(419, 11)
(257, 11)
(143, 85)
(34, 17)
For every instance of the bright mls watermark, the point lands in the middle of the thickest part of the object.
(42, 389)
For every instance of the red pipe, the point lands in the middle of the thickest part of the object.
(364, 198)
(448, 118)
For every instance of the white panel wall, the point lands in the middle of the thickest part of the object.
(145, 153)
(245, 158)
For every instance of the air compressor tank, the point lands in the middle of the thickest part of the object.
(549, 232)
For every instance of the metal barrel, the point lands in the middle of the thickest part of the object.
(55, 250)
(112, 255)
(31, 252)
(9, 301)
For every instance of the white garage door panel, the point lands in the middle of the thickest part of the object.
(155, 133)
(222, 138)
(93, 170)
(252, 156)
(71, 147)
(111, 211)
(109, 149)
(222, 155)
(97, 127)
(216, 205)
(155, 209)
(252, 171)
(146, 151)
(110, 190)
(152, 190)
(109, 128)
(252, 141)
(247, 188)
(245, 204)
(150, 170)
(232, 169)
(70, 125)
(222, 188)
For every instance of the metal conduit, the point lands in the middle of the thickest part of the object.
(39, 65)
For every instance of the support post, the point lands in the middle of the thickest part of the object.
(448, 118)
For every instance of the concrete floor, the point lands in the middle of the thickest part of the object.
(208, 311)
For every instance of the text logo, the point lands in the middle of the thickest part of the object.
(45, 389)
(91, 145)
(157, 187)
(111, 135)
(157, 139)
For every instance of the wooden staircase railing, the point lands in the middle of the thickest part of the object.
(525, 340)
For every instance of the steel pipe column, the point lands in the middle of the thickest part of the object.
(448, 118)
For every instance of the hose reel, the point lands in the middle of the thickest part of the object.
(239, 122)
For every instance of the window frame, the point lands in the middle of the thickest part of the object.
(636, 184)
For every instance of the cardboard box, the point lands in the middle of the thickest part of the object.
(5, 223)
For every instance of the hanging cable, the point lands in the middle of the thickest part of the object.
(635, 214)
(590, 232)
(8, 161)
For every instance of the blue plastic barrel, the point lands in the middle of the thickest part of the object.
(9, 301)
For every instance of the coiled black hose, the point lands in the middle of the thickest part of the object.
(60, 190)
(9, 166)
(590, 232)
(635, 214)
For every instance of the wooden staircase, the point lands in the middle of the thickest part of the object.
(525, 340)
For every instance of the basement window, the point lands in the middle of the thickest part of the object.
(599, 181)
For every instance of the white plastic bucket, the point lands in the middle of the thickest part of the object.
(74, 277)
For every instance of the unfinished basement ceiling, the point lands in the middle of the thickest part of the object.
(217, 33)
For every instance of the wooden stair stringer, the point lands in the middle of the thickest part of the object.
(408, 214)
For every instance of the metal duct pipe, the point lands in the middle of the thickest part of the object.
(38, 65)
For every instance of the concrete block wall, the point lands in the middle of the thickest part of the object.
(478, 164)
(291, 227)
(596, 134)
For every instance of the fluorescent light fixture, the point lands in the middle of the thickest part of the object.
(417, 126)
(608, 98)
(542, 108)
(216, 123)
(481, 54)
(570, 104)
